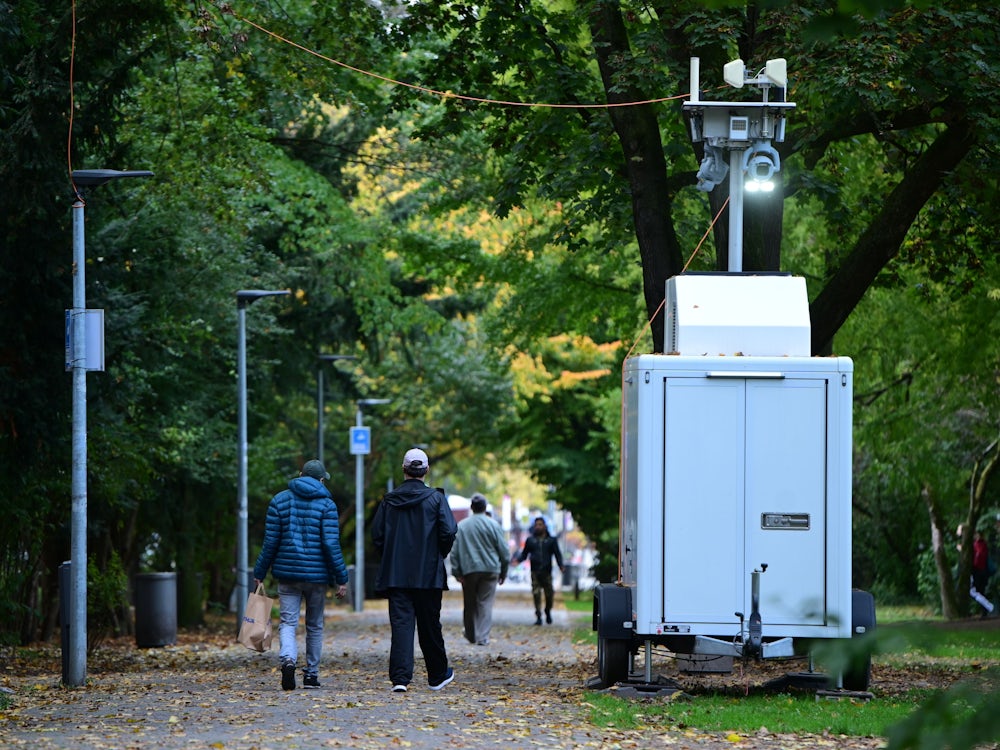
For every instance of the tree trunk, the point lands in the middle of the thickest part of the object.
(643, 163)
(946, 585)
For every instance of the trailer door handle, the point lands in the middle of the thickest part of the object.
(745, 375)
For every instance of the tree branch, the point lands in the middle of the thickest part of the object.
(881, 241)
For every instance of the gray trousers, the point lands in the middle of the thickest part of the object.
(478, 593)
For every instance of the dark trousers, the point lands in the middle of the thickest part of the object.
(541, 583)
(420, 608)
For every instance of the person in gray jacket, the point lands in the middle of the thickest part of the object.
(414, 530)
(302, 547)
(479, 562)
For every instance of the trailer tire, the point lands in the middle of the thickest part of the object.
(612, 621)
(613, 657)
(858, 675)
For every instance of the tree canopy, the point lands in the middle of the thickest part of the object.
(482, 205)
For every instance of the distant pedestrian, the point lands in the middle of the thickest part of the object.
(981, 573)
(302, 546)
(479, 562)
(540, 548)
(414, 531)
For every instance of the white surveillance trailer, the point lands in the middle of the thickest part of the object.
(735, 529)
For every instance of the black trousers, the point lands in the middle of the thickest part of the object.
(419, 608)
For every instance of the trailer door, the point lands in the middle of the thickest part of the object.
(703, 518)
(786, 498)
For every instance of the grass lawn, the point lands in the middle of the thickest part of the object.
(920, 660)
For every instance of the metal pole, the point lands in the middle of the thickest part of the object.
(319, 412)
(78, 541)
(241, 471)
(735, 210)
(359, 525)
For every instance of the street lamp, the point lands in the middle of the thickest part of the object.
(321, 397)
(79, 363)
(360, 445)
(244, 298)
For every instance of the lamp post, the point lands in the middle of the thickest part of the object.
(360, 445)
(78, 362)
(244, 298)
(321, 397)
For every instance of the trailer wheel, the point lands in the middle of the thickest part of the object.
(612, 660)
(612, 616)
(858, 675)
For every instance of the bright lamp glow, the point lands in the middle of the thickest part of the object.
(733, 73)
(760, 164)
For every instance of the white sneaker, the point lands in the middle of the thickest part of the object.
(399, 688)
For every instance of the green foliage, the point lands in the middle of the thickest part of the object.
(107, 601)
(962, 717)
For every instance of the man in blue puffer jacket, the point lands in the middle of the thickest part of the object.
(302, 546)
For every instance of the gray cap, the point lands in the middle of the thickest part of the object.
(315, 469)
(415, 459)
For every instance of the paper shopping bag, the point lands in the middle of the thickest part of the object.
(255, 631)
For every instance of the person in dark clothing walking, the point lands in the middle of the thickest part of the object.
(540, 548)
(302, 546)
(414, 530)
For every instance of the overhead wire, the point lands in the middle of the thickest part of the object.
(438, 92)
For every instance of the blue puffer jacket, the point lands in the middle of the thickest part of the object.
(302, 536)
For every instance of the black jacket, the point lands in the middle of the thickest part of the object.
(540, 551)
(413, 530)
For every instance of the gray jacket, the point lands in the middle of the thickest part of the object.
(479, 547)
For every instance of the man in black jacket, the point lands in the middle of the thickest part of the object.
(414, 530)
(540, 548)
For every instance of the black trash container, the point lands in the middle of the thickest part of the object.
(155, 609)
(65, 582)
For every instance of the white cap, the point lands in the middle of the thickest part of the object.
(415, 459)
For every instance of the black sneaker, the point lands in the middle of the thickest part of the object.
(288, 676)
(548, 617)
(447, 679)
(538, 620)
(310, 681)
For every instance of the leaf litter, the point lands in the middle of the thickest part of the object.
(526, 687)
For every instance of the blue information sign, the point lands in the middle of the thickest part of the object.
(361, 441)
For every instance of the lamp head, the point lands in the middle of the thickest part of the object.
(245, 297)
(96, 177)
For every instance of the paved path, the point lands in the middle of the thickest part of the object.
(525, 689)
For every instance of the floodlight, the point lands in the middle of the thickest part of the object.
(776, 72)
(734, 73)
(760, 164)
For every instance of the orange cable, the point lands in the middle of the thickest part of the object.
(704, 236)
(445, 94)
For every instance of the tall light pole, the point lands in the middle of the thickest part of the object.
(746, 129)
(360, 445)
(321, 397)
(244, 298)
(80, 363)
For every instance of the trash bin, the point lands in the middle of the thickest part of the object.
(65, 583)
(155, 609)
